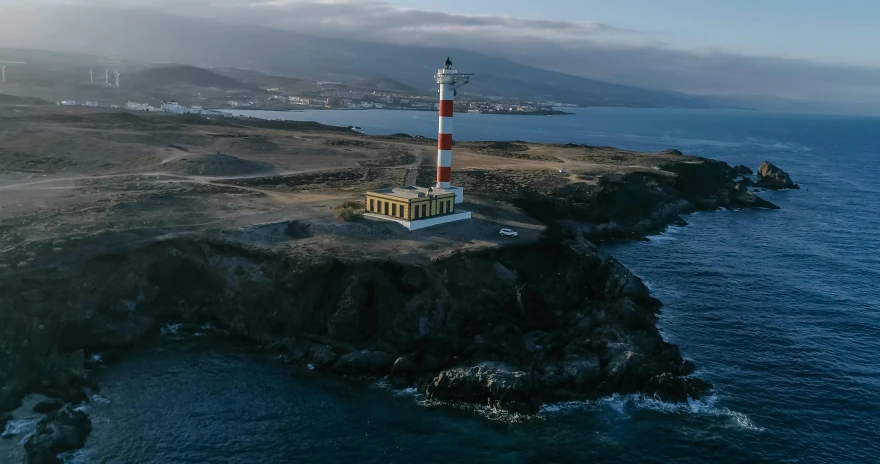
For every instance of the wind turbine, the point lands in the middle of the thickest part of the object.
(117, 77)
(107, 76)
(3, 67)
(92, 75)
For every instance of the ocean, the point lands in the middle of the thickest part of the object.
(780, 310)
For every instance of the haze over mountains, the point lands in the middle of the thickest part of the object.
(162, 38)
(148, 35)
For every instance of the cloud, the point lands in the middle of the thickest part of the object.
(379, 20)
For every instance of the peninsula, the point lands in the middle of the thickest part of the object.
(115, 224)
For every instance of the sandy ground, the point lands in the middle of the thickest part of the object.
(71, 174)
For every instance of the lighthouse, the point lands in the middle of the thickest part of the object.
(420, 207)
(449, 80)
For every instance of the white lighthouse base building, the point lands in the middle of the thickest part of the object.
(424, 223)
(459, 193)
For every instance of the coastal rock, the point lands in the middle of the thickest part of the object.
(495, 384)
(375, 363)
(671, 151)
(771, 177)
(5, 417)
(741, 197)
(402, 367)
(48, 405)
(60, 431)
(582, 325)
(742, 170)
(321, 356)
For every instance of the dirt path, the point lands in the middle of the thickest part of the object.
(413, 171)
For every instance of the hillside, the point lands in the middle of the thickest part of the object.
(182, 75)
(14, 100)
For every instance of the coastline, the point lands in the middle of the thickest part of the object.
(520, 355)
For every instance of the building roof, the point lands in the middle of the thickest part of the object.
(411, 193)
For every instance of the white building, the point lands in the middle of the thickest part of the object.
(173, 107)
(68, 103)
(91, 103)
(134, 106)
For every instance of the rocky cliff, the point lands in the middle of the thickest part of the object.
(565, 323)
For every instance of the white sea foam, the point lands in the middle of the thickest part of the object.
(170, 329)
(310, 367)
(80, 456)
(96, 358)
(669, 235)
(382, 384)
(487, 412)
(624, 405)
(98, 398)
(20, 427)
(411, 391)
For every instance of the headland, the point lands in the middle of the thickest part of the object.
(114, 224)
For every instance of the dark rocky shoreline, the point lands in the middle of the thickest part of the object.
(515, 327)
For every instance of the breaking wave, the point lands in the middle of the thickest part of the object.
(625, 405)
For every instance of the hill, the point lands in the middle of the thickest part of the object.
(14, 100)
(182, 75)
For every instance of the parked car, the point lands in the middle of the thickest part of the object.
(509, 233)
(563, 171)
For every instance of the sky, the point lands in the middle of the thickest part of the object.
(845, 31)
(798, 49)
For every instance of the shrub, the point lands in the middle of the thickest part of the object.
(348, 211)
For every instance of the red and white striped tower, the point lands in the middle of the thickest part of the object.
(449, 80)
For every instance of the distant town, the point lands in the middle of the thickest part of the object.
(329, 97)
(332, 98)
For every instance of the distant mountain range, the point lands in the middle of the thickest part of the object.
(140, 36)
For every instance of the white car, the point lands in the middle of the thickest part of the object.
(563, 171)
(509, 233)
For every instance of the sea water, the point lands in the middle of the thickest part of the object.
(780, 310)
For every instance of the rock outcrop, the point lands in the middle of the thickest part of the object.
(771, 177)
(743, 170)
(5, 417)
(47, 406)
(495, 384)
(59, 431)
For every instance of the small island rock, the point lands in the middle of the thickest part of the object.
(771, 177)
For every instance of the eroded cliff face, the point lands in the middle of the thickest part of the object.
(634, 205)
(535, 323)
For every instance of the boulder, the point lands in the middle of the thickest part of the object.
(496, 384)
(743, 170)
(321, 356)
(363, 362)
(60, 431)
(740, 197)
(48, 405)
(402, 367)
(771, 177)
